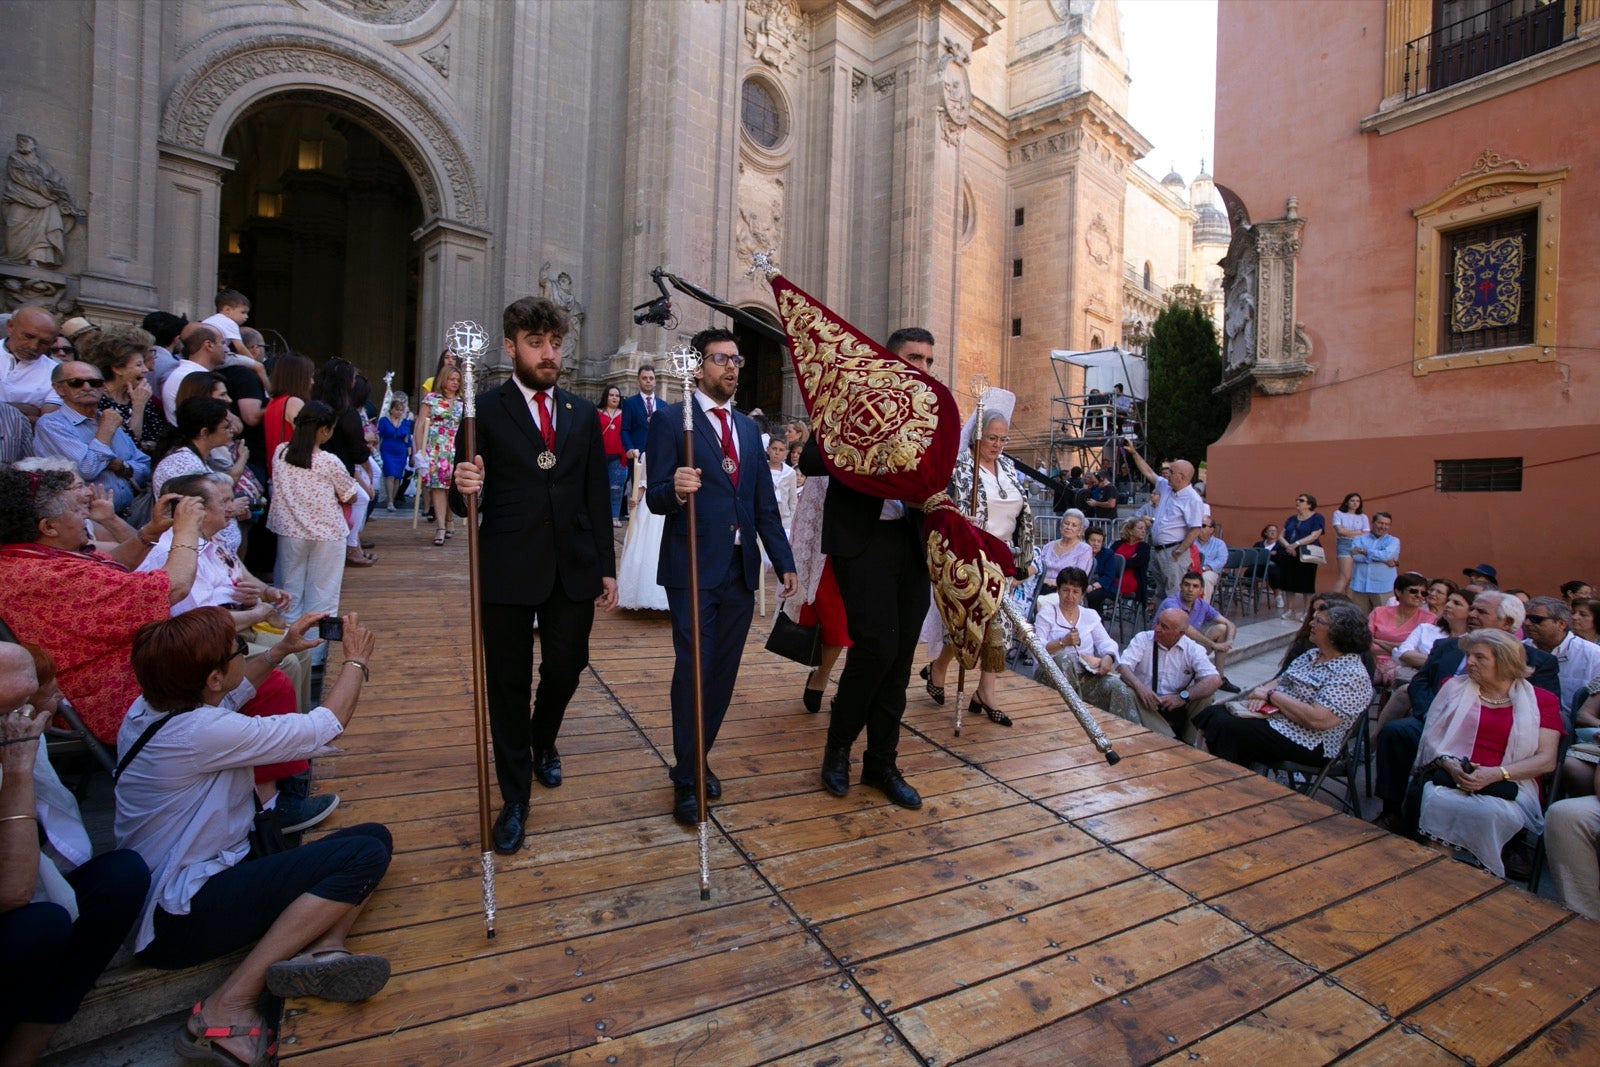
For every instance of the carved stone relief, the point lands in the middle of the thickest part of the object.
(760, 223)
(556, 287)
(955, 90)
(1263, 344)
(380, 12)
(1097, 239)
(438, 57)
(775, 32)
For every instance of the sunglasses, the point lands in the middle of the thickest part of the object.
(241, 647)
(726, 358)
(1534, 620)
(79, 383)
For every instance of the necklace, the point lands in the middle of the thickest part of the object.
(1495, 702)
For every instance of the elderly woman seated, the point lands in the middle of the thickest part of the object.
(62, 913)
(1302, 715)
(83, 606)
(1490, 736)
(184, 803)
(1077, 640)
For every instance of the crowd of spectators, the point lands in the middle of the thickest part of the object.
(175, 521)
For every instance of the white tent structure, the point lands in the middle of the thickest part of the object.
(1102, 368)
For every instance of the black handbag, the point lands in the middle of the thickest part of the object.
(789, 639)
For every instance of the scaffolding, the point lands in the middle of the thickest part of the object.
(1087, 423)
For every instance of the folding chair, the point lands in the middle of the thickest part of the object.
(1229, 580)
(1308, 780)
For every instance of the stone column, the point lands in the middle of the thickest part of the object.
(188, 206)
(454, 260)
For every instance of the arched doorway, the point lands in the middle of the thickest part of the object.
(761, 381)
(315, 226)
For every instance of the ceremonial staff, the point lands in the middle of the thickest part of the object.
(685, 361)
(468, 341)
(980, 386)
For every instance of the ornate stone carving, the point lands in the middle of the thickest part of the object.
(192, 108)
(858, 78)
(775, 31)
(39, 208)
(1263, 343)
(884, 82)
(556, 287)
(438, 57)
(21, 285)
(1488, 162)
(380, 12)
(1053, 145)
(955, 90)
(1097, 239)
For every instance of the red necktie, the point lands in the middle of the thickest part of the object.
(544, 421)
(729, 454)
(649, 407)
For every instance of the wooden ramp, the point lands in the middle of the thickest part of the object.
(1042, 907)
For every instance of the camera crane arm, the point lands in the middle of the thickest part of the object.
(659, 311)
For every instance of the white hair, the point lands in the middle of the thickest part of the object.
(40, 464)
(1508, 608)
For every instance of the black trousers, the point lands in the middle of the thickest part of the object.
(1247, 741)
(521, 721)
(725, 612)
(885, 594)
(1396, 751)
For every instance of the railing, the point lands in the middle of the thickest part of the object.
(1491, 39)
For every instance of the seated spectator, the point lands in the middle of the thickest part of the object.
(120, 355)
(1308, 709)
(1208, 627)
(1585, 617)
(203, 351)
(203, 425)
(1483, 574)
(1067, 550)
(63, 911)
(1134, 547)
(1412, 653)
(1571, 829)
(1392, 624)
(1490, 736)
(1396, 747)
(1213, 552)
(1576, 590)
(184, 803)
(163, 328)
(1547, 626)
(1171, 679)
(1078, 642)
(1439, 589)
(1103, 576)
(92, 439)
(16, 435)
(1374, 558)
(79, 605)
(26, 366)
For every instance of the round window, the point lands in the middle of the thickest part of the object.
(761, 114)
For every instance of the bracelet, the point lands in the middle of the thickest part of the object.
(1505, 775)
(191, 548)
(13, 818)
(366, 675)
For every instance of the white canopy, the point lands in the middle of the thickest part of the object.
(1103, 368)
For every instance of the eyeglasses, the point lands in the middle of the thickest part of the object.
(1534, 620)
(241, 647)
(79, 383)
(1415, 590)
(1301, 500)
(996, 439)
(726, 358)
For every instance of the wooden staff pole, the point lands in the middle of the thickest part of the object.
(684, 362)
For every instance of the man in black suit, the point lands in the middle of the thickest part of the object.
(881, 564)
(1399, 740)
(734, 505)
(545, 548)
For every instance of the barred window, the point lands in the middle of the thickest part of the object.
(1499, 475)
(1489, 279)
(761, 114)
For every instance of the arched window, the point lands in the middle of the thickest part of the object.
(1149, 275)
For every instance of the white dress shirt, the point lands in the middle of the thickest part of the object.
(27, 383)
(1051, 625)
(1180, 666)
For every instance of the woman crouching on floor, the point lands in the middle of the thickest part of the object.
(185, 803)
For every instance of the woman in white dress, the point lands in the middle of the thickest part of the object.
(637, 588)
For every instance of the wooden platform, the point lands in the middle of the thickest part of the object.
(1042, 907)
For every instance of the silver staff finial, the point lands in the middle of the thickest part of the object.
(765, 262)
(468, 341)
(685, 360)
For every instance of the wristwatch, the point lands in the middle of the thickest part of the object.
(1183, 695)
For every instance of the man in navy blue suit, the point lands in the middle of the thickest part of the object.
(637, 411)
(734, 505)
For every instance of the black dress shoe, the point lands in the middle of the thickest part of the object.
(685, 808)
(1228, 686)
(812, 699)
(887, 777)
(713, 785)
(510, 828)
(547, 766)
(836, 770)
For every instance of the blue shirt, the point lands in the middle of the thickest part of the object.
(64, 432)
(1199, 615)
(1374, 572)
(1213, 554)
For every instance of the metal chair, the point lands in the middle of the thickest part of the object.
(1308, 780)
(1229, 579)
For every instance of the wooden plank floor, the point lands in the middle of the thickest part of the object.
(1042, 907)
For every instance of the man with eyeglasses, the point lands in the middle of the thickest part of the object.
(1213, 555)
(1548, 629)
(734, 506)
(25, 368)
(92, 439)
(1176, 524)
(1377, 564)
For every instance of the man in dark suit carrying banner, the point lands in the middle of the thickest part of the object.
(547, 551)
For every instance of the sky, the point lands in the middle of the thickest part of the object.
(1172, 57)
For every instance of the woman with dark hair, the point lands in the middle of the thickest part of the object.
(437, 423)
(204, 424)
(335, 385)
(1439, 589)
(291, 387)
(1412, 653)
(1303, 714)
(610, 410)
(1586, 619)
(1349, 523)
(81, 606)
(1296, 575)
(184, 804)
(1392, 624)
(308, 488)
(122, 355)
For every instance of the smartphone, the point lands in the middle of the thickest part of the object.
(331, 629)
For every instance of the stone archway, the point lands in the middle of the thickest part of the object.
(234, 77)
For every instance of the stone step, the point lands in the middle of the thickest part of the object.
(129, 994)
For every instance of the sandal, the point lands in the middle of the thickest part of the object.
(331, 974)
(197, 1042)
(438, 538)
(995, 715)
(934, 691)
(449, 533)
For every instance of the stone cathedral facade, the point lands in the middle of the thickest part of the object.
(369, 171)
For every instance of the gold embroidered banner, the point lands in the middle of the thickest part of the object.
(1488, 291)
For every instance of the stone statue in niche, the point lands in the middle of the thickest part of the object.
(38, 207)
(557, 288)
(1239, 284)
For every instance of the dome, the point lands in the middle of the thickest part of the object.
(1211, 227)
(1174, 178)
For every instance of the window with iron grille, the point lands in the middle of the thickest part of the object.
(1500, 475)
(1489, 274)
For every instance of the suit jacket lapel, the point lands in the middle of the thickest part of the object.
(564, 419)
(521, 417)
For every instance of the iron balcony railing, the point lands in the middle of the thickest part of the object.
(1493, 38)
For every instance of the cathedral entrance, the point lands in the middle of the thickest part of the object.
(316, 225)
(761, 380)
